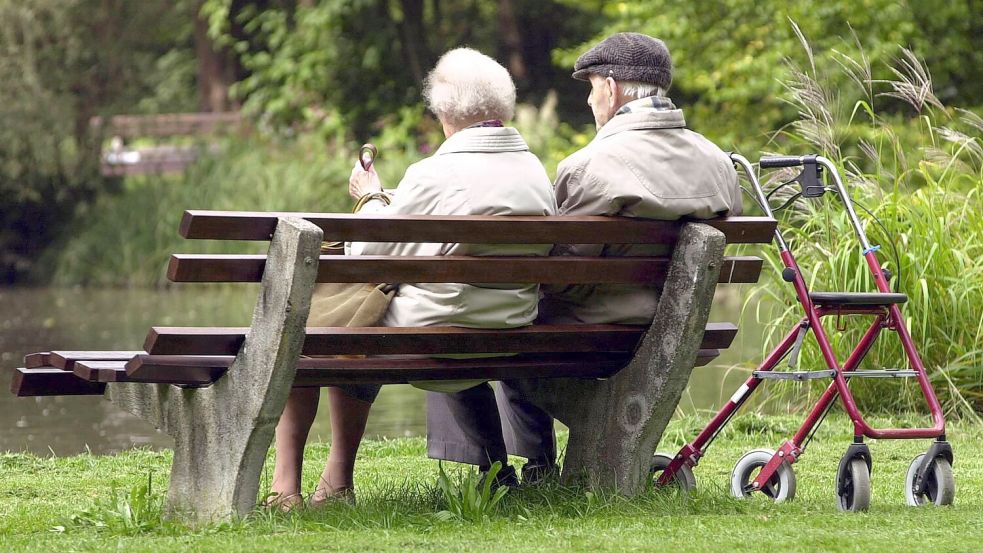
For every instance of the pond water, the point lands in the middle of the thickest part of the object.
(41, 319)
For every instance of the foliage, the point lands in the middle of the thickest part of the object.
(343, 67)
(472, 498)
(254, 174)
(728, 55)
(122, 513)
(62, 63)
(917, 182)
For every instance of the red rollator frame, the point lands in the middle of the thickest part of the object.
(929, 478)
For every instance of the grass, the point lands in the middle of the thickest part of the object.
(399, 504)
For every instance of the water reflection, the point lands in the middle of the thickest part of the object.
(36, 319)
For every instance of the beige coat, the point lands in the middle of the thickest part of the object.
(478, 171)
(642, 164)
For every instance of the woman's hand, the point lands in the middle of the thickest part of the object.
(363, 182)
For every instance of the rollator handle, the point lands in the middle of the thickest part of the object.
(774, 162)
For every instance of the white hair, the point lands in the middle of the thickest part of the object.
(467, 86)
(638, 90)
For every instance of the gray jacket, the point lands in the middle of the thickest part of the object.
(477, 171)
(642, 164)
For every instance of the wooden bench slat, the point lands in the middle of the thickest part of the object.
(429, 340)
(65, 360)
(52, 381)
(100, 371)
(384, 371)
(323, 371)
(167, 124)
(246, 225)
(37, 360)
(545, 270)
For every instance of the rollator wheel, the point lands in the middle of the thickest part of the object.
(856, 489)
(780, 487)
(940, 488)
(684, 479)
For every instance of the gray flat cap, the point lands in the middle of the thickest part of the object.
(627, 57)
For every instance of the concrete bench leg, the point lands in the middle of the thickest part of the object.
(616, 424)
(222, 433)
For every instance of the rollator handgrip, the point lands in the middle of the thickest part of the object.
(782, 161)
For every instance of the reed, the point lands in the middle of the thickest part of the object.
(918, 172)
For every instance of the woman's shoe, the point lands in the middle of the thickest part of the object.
(285, 503)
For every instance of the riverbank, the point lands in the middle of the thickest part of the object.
(59, 504)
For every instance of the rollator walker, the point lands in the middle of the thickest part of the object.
(929, 478)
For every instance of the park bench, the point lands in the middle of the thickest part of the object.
(220, 391)
(121, 161)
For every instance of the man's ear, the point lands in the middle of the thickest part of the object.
(613, 91)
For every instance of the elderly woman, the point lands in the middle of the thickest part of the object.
(482, 168)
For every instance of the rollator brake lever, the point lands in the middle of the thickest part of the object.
(811, 178)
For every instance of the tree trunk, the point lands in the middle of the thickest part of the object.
(414, 38)
(216, 70)
(508, 30)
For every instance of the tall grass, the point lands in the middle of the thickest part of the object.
(919, 173)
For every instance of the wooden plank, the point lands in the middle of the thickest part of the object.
(168, 124)
(175, 369)
(544, 270)
(428, 340)
(36, 360)
(65, 360)
(100, 371)
(51, 381)
(245, 225)
(324, 371)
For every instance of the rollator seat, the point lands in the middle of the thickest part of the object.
(856, 298)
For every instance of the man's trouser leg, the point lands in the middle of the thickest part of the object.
(465, 427)
(528, 430)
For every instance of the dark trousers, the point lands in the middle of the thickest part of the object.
(472, 427)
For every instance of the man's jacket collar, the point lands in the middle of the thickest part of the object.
(484, 139)
(643, 120)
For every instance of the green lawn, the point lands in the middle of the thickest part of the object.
(398, 502)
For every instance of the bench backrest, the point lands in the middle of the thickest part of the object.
(218, 225)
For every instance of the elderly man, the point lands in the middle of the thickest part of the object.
(483, 168)
(642, 163)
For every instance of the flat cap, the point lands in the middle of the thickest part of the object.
(627, 57)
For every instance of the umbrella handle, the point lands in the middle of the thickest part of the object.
(366, 155)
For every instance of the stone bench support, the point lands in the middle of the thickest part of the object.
(616, 424)
(222, 433)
